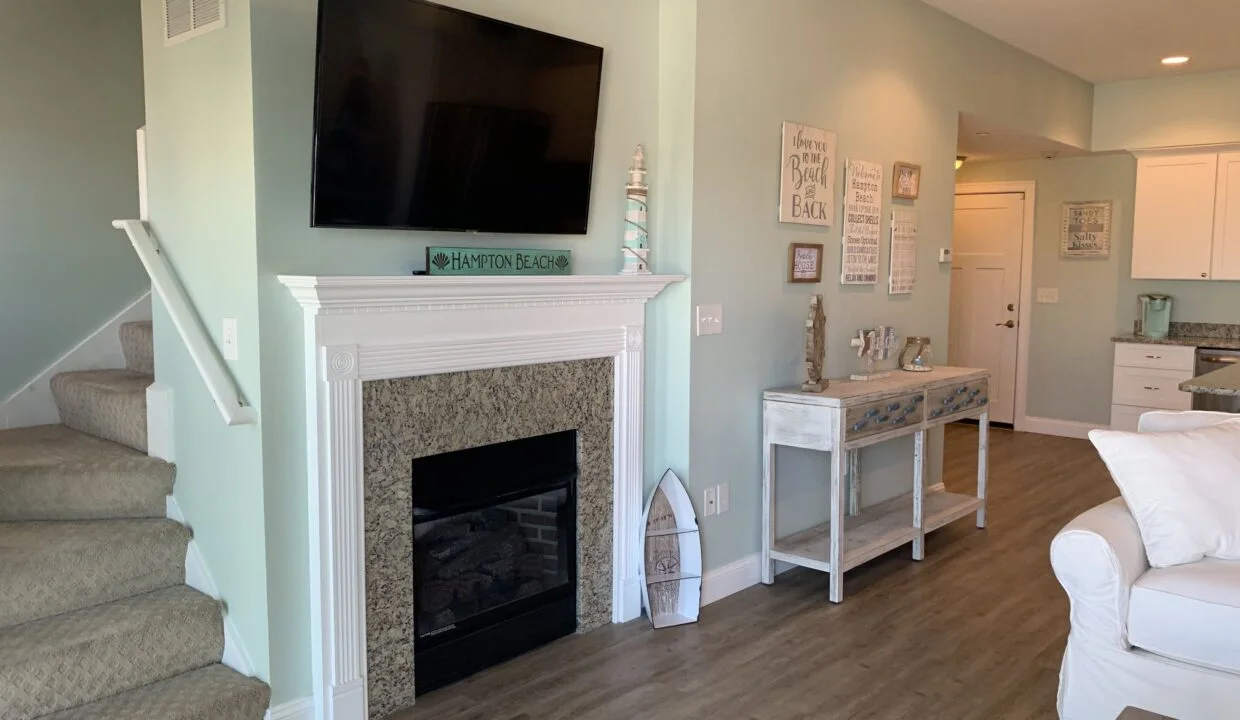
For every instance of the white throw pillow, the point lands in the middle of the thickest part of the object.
(1182, 487)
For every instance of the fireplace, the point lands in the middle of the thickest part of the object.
(495, 554)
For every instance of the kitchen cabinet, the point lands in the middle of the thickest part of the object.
(1173, 221)
(1148, 377)
(1226, 260)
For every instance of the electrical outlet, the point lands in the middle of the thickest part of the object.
(709, 319)
(1048, 295)
(945, 255)
(709, 504)
(722, 493)
(230, 339)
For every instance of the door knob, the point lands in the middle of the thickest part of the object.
(1011, 307)
(1008, 324)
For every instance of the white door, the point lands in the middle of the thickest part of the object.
(985, 295)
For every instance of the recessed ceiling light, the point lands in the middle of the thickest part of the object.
(1175, 60)
(982, 133)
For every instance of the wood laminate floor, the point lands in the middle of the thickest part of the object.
(974, 632)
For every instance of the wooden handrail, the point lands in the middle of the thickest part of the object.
(220, 383)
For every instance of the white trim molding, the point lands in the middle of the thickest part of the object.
(299, 709)
(32, 403)
(1029, 189)
(366, 328)
(1062, 428)
(198, 576)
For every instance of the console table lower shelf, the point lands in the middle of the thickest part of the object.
(874, 531)
(843, 419)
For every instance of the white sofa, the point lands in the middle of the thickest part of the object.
(1165, 640)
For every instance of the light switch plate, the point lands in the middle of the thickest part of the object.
(709, 319)
(945, 255)
(709, 503)
(1048, 295)
(723, 499)
(230, 339)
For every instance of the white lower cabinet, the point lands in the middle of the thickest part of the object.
(1148, 377)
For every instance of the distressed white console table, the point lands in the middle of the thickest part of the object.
(846, 417)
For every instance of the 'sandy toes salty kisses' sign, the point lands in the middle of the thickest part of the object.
(807, 181)
(497, 261)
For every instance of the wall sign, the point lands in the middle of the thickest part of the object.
(1086, 230)
(805, 263)
(497, 261)
(863, 207)
(903, 252)
(807, 179)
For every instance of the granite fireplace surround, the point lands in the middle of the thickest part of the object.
(406, 418)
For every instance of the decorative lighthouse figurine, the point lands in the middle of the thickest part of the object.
(636, 236)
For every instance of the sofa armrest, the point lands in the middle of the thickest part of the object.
(1097, 557)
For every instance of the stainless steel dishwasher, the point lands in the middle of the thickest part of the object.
(1209, 360)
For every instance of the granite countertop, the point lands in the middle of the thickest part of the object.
(1220, 382)
(1225, 343)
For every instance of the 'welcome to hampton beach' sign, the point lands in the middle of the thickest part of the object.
(497, 261)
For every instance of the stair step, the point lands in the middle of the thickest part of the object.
(110, 404)
(55, 567)
(51, 472)
(210, 693)
(77, 658)
(138, 344)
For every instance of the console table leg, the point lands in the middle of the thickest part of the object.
(768, 512)
(919, 494)
(854, 482)
(839, 468)
(983, 447)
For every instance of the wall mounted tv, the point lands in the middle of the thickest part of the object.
(432, 118)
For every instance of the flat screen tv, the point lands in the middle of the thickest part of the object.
(432, 118)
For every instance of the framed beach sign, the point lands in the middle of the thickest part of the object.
(807, 176)
(1086, 230)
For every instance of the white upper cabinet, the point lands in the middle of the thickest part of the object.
(1226, 260)
(1173, 225)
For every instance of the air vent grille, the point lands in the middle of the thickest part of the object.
(185, 19)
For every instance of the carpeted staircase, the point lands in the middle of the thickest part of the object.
(96, 622)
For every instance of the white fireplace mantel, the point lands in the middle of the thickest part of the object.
(371, 328)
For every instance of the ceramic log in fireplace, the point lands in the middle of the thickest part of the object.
(495, 554)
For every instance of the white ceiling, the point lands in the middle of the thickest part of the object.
(980, 140)
(1108, 40)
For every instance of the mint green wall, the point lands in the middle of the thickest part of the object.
(889, 77)
(71, 83)
(1070, 351)
(283, 46)
(200, 145)
(1168, 112)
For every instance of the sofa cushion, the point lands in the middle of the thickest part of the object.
(1182, 487)
(1189, 613)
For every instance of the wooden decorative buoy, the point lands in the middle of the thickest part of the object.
(672, 556)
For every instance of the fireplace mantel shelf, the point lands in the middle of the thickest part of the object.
(354, 293)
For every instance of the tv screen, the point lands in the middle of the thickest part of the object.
(432, 118)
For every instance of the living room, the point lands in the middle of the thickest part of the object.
(290, 522)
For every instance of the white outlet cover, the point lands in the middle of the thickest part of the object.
(945, 255)
(709, 319)
(230, 339)
(1048, 295)
(709, 505)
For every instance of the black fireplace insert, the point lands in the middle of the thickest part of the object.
(494, 554)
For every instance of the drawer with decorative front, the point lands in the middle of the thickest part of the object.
(944, 402)
(883, 415)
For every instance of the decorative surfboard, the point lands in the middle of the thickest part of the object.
(672, 556)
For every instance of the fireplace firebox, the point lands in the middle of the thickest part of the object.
(495, 554)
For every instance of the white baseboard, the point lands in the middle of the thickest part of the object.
(198, 576)
(736, 576)
(299, 709)
(33, 404)
(159, 423)
(1061, 428)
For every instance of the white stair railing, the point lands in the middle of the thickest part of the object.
(220, 383)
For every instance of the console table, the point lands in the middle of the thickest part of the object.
(845, 417)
